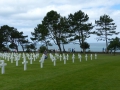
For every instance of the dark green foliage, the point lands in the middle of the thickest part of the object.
(12, 46)
(105, 27)
(5, 32)
(30, 47)
(64, 30)
(85, 45)
(42, 49)
(52, 22)
(114, 44)
(60, 30)
(10, 35)
(22, 40)
(5, 49)
(79, 26)
(28, 50)
(40, 34)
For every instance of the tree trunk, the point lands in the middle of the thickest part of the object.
(63, 48)
(16, 49)
(59, 48)
(46, 45)
(82, 41)
(22, 48)
(106, 38)
(106, 44)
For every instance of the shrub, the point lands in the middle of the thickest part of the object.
(42, 49)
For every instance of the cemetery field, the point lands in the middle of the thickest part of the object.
(102, 73)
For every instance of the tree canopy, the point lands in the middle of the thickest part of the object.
(80, 28)
(60, 30)
(10, 36)
(114, 44)
(105, 27)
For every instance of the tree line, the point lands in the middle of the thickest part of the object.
(62, 30)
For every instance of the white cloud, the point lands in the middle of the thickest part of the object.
(26, 14)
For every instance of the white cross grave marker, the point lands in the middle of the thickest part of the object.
(60, 57)
(31, 59)
(42, 60)
(86, 57)
(79, 56)
(34, 56)
(91, 56)
(54, 60)
(17, 59)
(8, 57)
(64, 58)
(57, 55)
(11, 58)
(73, 57)
(25, 63)
(67, 56)
(2, 65)
(95, 56)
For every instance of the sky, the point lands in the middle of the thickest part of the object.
(24, 15)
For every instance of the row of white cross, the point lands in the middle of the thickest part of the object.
(16, 57)
(32, 57)
(57, 56)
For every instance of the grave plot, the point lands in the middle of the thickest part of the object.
(2, 66)
(26, 60)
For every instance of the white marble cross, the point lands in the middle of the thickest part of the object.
(57, 55)
(51, 57)
(17, 59)
(37, 55)
(60, 57)
(25, 64)
(30, 58)
(42, 60)
(8, 57)
(79, 56)
(11, 58)
(34, 57)
(63, 54)
(67, 56)
(73, 57)
(23, 55)
(91, 56)
(2, 65)
(95, 56)
(64, 58)
(86, 57)
(54, 60)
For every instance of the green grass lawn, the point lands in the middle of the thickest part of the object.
(100, 74)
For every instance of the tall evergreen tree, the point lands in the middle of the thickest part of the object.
(105, 27)
(4, 35)
(80, 28)
(10, 35)
(22, 40)
(114, 44)
(51, 22)
(64, 28)
(40, 34)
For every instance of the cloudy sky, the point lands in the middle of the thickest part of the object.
(26, 14)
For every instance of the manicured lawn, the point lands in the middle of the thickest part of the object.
(100, 74)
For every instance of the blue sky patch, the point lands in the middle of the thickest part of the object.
(116, 7)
